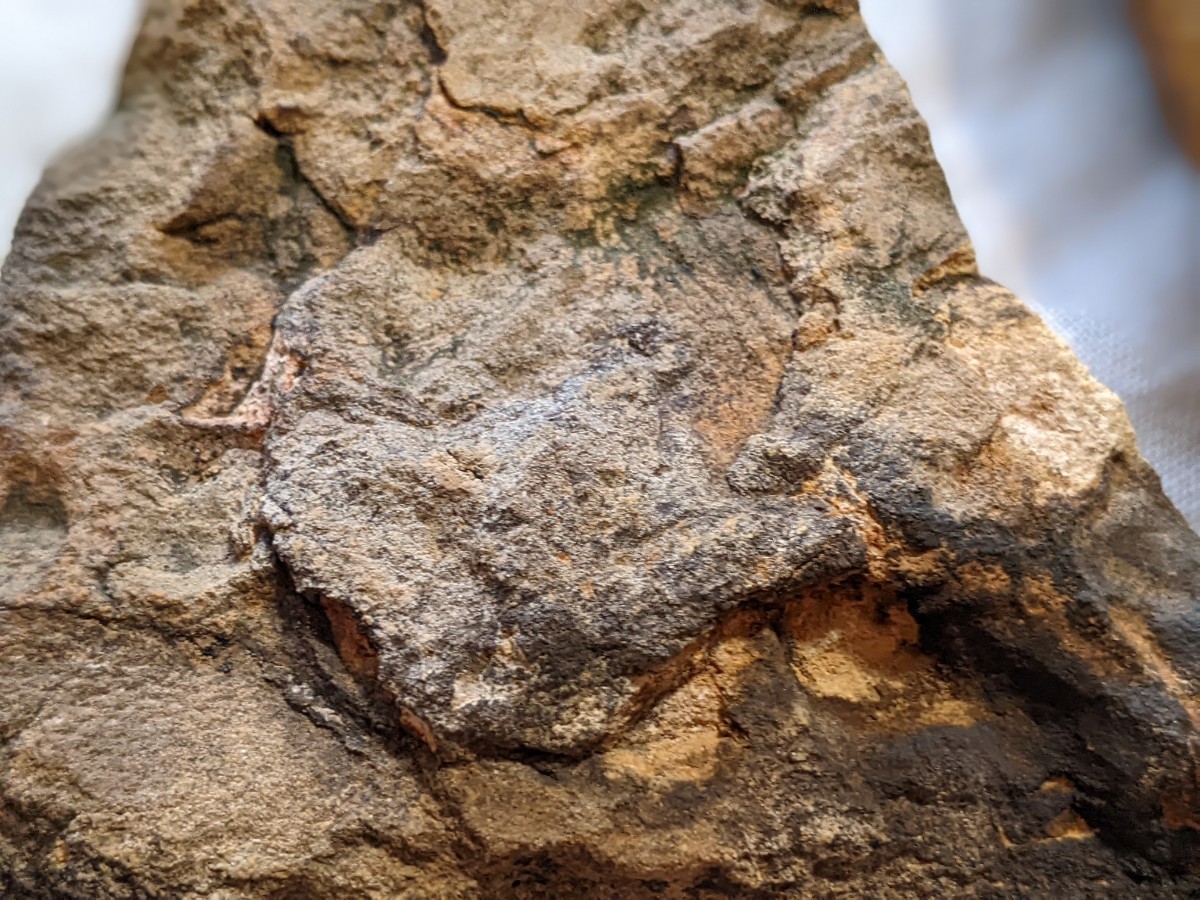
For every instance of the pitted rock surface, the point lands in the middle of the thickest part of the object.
(561, 449)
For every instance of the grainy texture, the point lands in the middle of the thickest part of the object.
(557, 449)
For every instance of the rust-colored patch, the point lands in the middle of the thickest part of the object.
(920, 569)
(418, 728)
(881, 550)
(740, 406)
(359, 657)
(362, 661)
(1180, 809)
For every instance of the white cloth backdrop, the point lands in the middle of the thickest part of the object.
(1041, 112)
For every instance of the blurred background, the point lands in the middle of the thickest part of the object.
(1045, 114)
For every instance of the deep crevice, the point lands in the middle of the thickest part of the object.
(291, 169)
(428, 37)
(315, 655)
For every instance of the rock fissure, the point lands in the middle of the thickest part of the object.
(292, 171)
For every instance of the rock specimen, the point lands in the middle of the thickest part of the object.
(561, 449)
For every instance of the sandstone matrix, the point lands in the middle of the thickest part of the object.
(483, 448)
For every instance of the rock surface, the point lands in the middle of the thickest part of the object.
(555, 449)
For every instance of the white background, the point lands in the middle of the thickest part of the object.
(1041, 112)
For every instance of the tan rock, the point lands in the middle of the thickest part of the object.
(561, 449)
